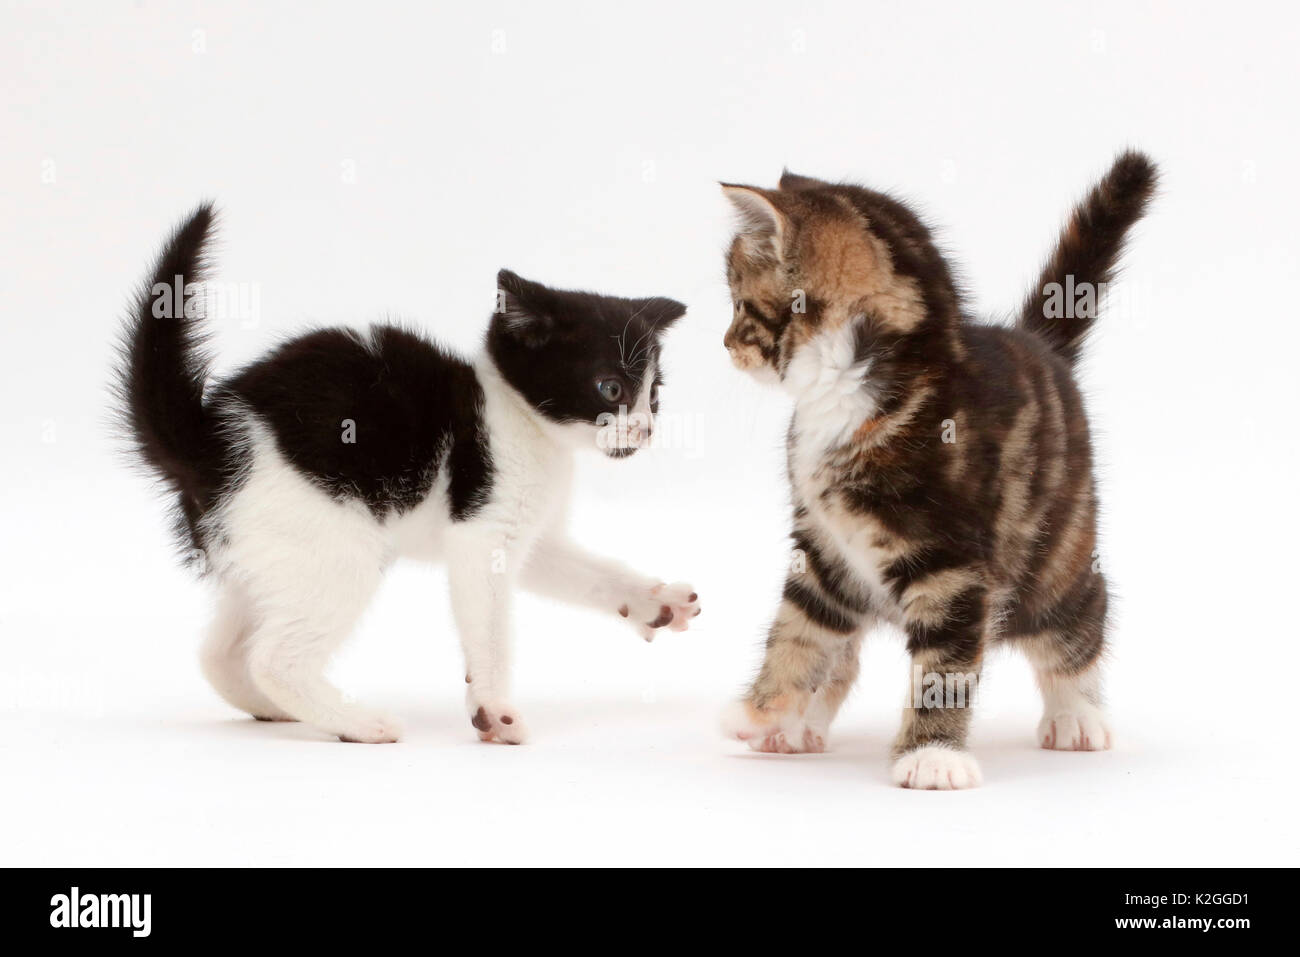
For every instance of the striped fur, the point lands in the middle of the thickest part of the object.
(941, 469)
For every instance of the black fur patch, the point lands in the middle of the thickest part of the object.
(371, 417)
(831, 574)
(554, 345)
(817, 609)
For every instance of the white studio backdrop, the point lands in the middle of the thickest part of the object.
(384, 160)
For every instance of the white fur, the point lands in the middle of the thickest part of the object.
(937, 768)
(831, 394)
(298, 567)
(1072, 721)
(833, 398)
(788, 732)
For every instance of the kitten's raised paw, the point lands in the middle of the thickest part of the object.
(497, 722)
(1082, 729)
(937, 768)
(371, 729)
(663, 606)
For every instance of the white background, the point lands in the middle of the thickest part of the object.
(582, 147)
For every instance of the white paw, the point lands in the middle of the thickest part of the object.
(1083, 728)
(744, 722)
(800, 740)
(776, 730)
(937, 768)
(368, 728)
(663, 606)
(497, 721)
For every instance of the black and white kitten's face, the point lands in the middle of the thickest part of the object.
(589, 364)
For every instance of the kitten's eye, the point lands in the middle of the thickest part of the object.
(610, 389)
(654, 397)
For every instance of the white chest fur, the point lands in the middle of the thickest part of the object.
(833, 397)
(832, 394)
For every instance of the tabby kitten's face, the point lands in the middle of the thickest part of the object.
(811, 257)
(588, 364)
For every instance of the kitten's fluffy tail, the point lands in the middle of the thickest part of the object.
(1088, 252)
(163, 366)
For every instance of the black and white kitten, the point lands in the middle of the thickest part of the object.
(301, 477)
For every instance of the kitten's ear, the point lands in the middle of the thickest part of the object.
(521, 310)
(659, 311)
(762, 225)
(793, 182)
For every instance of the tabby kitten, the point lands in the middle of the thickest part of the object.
(941, 470)
(301, 477)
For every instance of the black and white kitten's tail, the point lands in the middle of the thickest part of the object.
(162, 368)
(1088, 251)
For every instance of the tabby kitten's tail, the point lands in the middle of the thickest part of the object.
(1088, 251)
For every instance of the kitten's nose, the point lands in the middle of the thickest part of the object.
(639, 432)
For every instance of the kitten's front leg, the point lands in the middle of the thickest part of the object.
(482, 576)
(560, 569)
(810, 664)
(944, 617)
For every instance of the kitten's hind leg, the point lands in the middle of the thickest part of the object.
(1073, 718)
(224, 657)
(305, 613)
(1066, 647)
(1067, 666)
